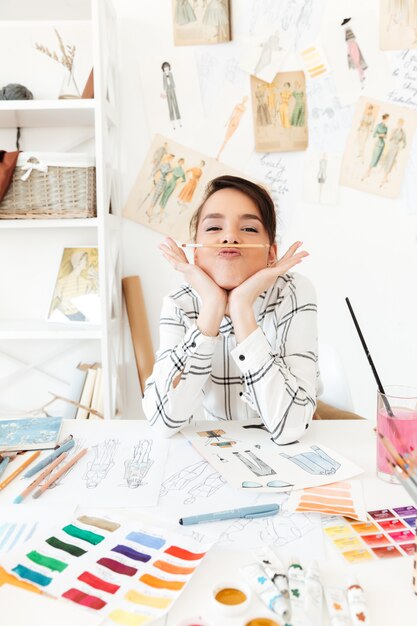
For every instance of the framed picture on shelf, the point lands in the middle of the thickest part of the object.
(76, 292)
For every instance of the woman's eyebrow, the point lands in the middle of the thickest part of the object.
(245, 216)
(215, 216)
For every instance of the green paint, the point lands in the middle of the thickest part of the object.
(67, 547)
(47, 561)
(295, 592)
(85, 535)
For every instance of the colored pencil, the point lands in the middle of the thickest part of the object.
(40, 478)
(20, 469)
(405, 479)
(225, 245)
(396, 456)
(59, 473)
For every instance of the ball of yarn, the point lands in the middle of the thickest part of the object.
(14, 91)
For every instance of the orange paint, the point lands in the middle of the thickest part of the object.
(262, 621)
(327, 491)
(326, 500)
(159, 583)
(5, 577)
(230, 596)
(173, 569)
(329, 509)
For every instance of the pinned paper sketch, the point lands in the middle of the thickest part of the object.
(198, 22)
(265, 52)
(170, 186)
(377, 148)
(280, 113)
(397, 24)
(257, 462)
(76, 293)
(351, 45)
(321, 177)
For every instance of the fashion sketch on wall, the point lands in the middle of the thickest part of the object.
(169, 187)
(397, 24)
(198, 22)
(379, 167)
(321, 177)
(168, 85)
(280, 113)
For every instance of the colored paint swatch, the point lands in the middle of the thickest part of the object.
(340, 498)
(186, 555)
(409, 548)
(140, 598)
(128, 619)
(47, 561)
(131, 553)
(99, 522)
(381, 514)
(411, 521)
(85, 535)
(365, 528)
(66, 547)
(376, 540)
(314, 61)
(32, 575)
(10, 579)
(391, 524)
(98, 583)
(386, 552)
(357, 556)
(160, 583)
(405, 511)
(146, 540)
(173, 569)
(93, 602)
(116, 566)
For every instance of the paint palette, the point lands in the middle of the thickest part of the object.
(128, 571)
(388, 533)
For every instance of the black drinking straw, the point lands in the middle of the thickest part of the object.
(371, 363)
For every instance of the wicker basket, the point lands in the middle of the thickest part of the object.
(51, 185)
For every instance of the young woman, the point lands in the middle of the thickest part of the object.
(239, 339)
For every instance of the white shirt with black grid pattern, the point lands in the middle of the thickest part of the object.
(272, 374)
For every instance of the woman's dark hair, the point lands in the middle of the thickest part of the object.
(165, 64)
(256, 193)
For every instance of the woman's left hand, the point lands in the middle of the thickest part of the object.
(245, 294)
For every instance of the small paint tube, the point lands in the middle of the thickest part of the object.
(337, 606)
(313, 596)
(275, 571)
(359, 613)
(260, 583)
(296, 577)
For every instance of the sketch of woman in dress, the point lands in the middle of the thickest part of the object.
(233, 123)
(216, 15)
(263, 117)
(170, 94)
(354, 54)
(396, 142)
(184, 13)
(285, 97)
(78, 276)
(187, 192)
(160, 183)
(322, 173)
(298, 114)
(176, 174)
(267, 48)
(380, 133)
(139, 465)
(365, 129)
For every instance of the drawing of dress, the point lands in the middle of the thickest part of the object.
(233, 123)
(397, 142)
(183, 477)
(169, 88)
(322, 172)
(184, 13)
(216, 15)
(364, 130)
(315, 462)
(176, 174)
(285, 96)
(298, 114)
(157, 157)
(187, 192)
(255, 464)
(263, 117)
(380, 133)
(354, 55)
(161, 183)
(137, 467)
(99, 467)
(265, 57)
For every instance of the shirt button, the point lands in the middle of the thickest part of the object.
(193, 345)
(307, 425)
(241, 393)
(241, 357)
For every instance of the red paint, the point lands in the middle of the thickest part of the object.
(98, 583)
(117, 567)
(186, 555)
(84, 599)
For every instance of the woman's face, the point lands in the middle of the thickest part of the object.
(229, 216)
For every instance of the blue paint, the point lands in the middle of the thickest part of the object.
(146, 540)
(32, 575)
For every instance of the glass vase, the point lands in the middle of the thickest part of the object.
(69, 87)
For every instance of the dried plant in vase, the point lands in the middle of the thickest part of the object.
(69, 88)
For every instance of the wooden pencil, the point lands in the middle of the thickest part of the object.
(40, 478)
(225, 245)
(59, 473)
(20, 469)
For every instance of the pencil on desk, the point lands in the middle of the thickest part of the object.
(225, 245)
(59, 473)
(20, 469)
(40, 478)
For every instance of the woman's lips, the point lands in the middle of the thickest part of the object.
(229, 253)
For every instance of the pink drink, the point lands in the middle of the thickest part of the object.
(401, 430)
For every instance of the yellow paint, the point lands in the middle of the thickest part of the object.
(128, 619)
(262, 621)
(230, 595)
(141, 598)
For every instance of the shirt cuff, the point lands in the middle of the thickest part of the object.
(253, 352)
(195, 342)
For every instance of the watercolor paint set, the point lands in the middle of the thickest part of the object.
(128, 571)
(388, 533)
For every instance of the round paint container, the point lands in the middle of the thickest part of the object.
(263, 621)
(231, 599)
(195, 621)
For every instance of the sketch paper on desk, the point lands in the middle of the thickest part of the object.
(127, 571)
(404, 75)
(397, 24)
(321, 177)
(198, 23)
(377, 148)
(280, 113)
(29, 433)
(264, 53)
(77, 278)
(170, 186)
(359, 68)
(119, 469)
(253, 461)
(339, 498)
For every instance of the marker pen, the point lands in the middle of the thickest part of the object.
(337, 606)
(261, 584)
(296, 578)
(358, 610)
(275, 571)
(313, 596)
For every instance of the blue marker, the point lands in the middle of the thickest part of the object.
(247, 512)
(39, 466)
(4, 463)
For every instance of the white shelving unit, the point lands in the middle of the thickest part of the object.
(100, 115)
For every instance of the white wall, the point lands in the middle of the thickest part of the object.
(365, 248)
